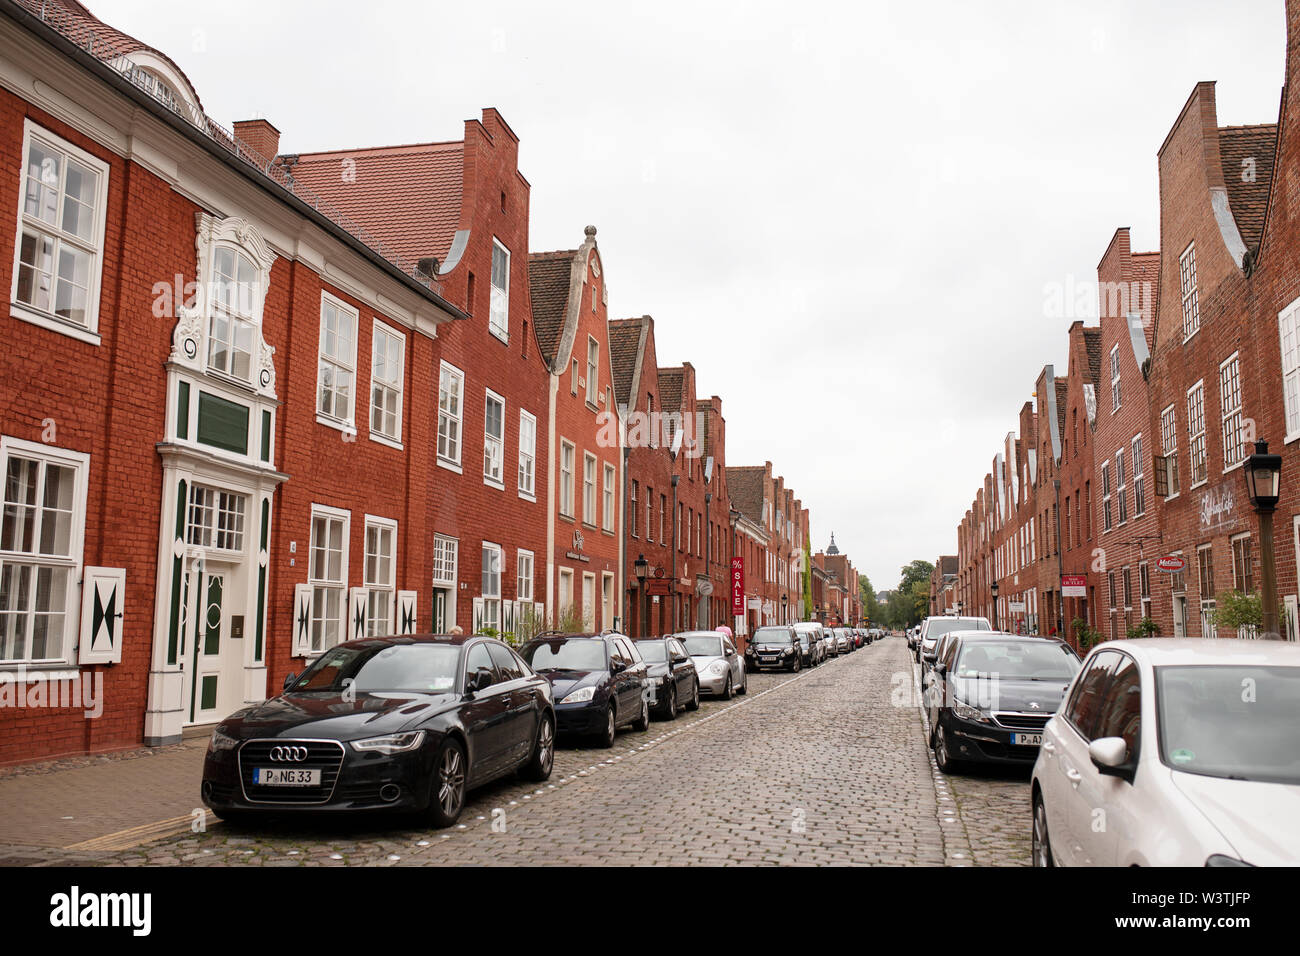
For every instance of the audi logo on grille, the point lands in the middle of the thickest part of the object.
(292, 754)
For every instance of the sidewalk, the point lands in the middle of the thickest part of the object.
(95, 803)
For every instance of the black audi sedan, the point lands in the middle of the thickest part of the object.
(407, 724)
(597, 682)
(776, 647)
(991, 694)
(670, 675)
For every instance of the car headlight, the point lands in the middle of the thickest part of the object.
(390, 743)
(967, 712)
(222, 742)
(1220, 860)
(580, 695)
(717, 668)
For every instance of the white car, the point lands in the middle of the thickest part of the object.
(1173, 752)
(933, 628)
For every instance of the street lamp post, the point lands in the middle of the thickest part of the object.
(784, 598)
(640, 567)
(1263, 481)
(994, 588)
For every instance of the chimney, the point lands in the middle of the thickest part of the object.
(259, 136)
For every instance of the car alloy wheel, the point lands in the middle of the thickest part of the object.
(672, 702)
(643, 722)
(543, 759)
(1041, 852)
(726, 690)
(611, 728)
(941, 755)
(694, 702)
(448, 797)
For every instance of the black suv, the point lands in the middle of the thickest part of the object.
(775, 647)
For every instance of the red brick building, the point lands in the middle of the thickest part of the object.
(230, 365)
(1076, 475)
(584, 560)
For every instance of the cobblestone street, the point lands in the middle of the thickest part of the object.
(824, 767)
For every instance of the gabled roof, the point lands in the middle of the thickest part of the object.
(1247, 154)
(1092, 344)
(549, 280)
(626, 348)
(407, 197)
(670, 389)
(745, 485)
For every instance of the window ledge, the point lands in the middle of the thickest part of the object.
(450, 465)
(494, 483)
(528, 497)
(347, 428)
(1234, 467)
(18, 672)
(502, 336)
(1290, 438)
(26, 314)
(382, 439)
(1198, 484)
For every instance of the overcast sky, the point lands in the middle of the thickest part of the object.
(846, 216)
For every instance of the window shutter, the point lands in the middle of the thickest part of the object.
(477, 619)
(301, 620)
(102, 597)
(406, 612)
(358, 601)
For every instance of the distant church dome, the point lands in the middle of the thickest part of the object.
(832, 549)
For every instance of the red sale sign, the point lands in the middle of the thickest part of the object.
(738, 586)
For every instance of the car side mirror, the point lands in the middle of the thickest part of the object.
(481, 679)
(941, 668)
(289, 679)
(1110, 756)
(617, 667)
(731, 652)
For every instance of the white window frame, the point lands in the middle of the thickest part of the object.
(450, 421)
(326, 584)
(607, 495)
(1230, 420)
(1196, 434)
(1121, 486)
(1187, 287)
(524, 570)
(341, 363)
(383, 335)
(492, 595)
(527, 477)
(1107, 513)
(1114, 380)
(494, 446)
(1288, 328)
(238, 319)
(1169, 449)
(499, 299)
(446, 556)
(593, 369)
(72, 562)
(589, 499)
(377, 588)
(566, 477)
(1139, 477)
(89, 332)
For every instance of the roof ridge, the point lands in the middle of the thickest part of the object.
(379, 150)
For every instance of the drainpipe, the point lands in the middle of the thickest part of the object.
(673, 548)
(1060, 570)
(708, 548)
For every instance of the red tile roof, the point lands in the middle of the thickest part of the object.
(1247, 156)
(625, 353)
(549, 277)
(407, 197)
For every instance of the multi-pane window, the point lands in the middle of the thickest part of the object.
(1187, 285)
(328, 575)
(1243, 575)
(589, 489)
(1169, 445)
(381, 548)
(663, 509)
(634, 509)
(607, 492)
(593, 369)
(1144, 589)
(527, 453)
(1230, 404)
(1196, 431)
(1205, 570)
(1288, 322)
(1121, 485)
(494, 438)
(451, 386)
(444, 561)
(499, 308)
(230, 325)
(491, 586)
(1114, 380)
(387, 357)
(215, 519)
(524, 575)
(1178, 579)
(567, 452)
(40, 546)
(60, 230)
(1106, 522)
(338, 359)
(1139, 479)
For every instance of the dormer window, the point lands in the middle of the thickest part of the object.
(231, 323)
